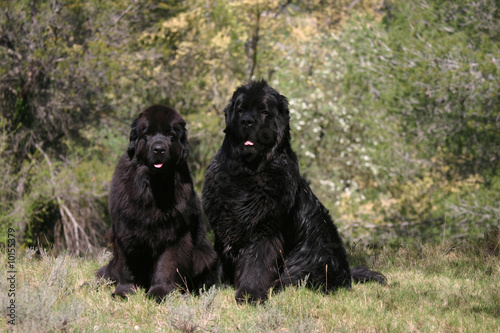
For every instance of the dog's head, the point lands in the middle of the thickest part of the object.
(257, 120)
(158, 139)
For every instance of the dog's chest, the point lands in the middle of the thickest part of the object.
(250, 205)
(157, 228)
(252, 191)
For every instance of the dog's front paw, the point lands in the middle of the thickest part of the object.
(159, 291)
(123, 289)
(252, 296)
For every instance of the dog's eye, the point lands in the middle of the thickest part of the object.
(264, 112)
(171, 134)
(147, 132)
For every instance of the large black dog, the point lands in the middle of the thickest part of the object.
(159, 238)
(270, 229)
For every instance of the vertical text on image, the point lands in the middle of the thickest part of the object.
(11, 276)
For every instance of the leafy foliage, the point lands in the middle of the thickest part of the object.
(441, 78)
(46, 87)
(51, 91)
(394, 105)
(427, 78)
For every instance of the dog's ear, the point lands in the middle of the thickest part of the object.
(283, 104)
(185, 147)
(133, 140)
(230, 111)
(227, 114)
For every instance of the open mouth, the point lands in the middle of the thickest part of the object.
(158, 165)
(248, 143)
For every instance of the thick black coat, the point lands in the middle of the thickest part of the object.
(159, 237)
(270, 229)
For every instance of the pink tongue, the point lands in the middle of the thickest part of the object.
(159, 165)
(248, 143)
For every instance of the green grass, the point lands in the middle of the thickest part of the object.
(432, 288)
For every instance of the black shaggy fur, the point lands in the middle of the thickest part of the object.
(159, 238)
(270, 229)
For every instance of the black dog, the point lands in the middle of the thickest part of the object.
(159, 238)
(270, 229)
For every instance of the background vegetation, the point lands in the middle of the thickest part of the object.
(395, 105)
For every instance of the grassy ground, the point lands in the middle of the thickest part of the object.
(432, 288)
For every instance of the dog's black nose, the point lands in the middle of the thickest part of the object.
(246, 121)
(159, 149)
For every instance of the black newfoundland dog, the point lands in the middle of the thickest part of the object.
(159, 238)
(270, 229)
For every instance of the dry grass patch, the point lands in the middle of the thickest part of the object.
(431, 288)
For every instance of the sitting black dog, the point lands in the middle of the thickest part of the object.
(270, 229)
(159, 238)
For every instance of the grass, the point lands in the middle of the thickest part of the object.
(432, 288)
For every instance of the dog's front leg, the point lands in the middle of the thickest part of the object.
(125, 281)
(257, 269)
(171, 268)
